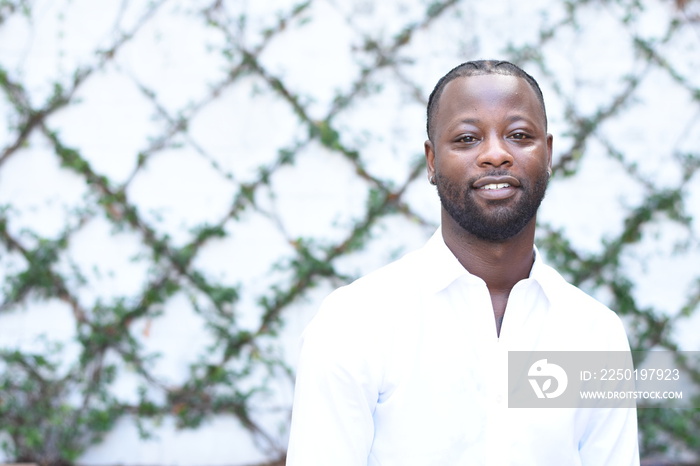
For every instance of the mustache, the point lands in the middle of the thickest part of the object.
(493, 172)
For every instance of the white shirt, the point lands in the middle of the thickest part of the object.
(403, 368)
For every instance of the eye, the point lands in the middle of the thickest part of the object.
(467, 139)
(519, 135)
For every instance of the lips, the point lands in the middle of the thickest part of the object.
(496, 182)
(496, 188)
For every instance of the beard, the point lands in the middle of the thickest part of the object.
(503, 219)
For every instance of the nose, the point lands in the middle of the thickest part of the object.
(494, 153)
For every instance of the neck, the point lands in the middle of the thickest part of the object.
(500, 264)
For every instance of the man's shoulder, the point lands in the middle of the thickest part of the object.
(389, 283)
(375, 297)
(571, 296)
(396, 275)
(577, 313)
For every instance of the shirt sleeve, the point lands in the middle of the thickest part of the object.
(336, 392)
(611, 437)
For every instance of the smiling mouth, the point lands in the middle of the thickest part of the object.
(496, 188)
(495, 182)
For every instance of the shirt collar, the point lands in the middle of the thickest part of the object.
(445, 268)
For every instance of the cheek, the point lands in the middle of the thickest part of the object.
(452, 162)
(538, 159)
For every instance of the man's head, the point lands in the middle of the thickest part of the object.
(488, 150)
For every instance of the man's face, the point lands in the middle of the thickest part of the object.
(490, 154)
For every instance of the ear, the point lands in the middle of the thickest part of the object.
(550, 140)
(429, 158)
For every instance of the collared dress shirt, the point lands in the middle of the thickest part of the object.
(404, 367)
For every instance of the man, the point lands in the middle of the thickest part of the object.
(408, 365)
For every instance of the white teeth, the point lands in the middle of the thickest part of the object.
(496, 186)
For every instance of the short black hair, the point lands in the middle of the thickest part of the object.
(477, 68)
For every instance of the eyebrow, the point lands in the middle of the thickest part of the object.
(510, 119)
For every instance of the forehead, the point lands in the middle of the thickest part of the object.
(488, 94)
